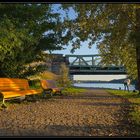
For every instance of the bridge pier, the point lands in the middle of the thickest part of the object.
(56, 61)
(71, 77)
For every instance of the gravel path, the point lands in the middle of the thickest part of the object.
(94, 113)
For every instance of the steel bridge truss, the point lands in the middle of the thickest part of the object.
(91, 64)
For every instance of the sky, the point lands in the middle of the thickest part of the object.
(84, 50)
(84, 46)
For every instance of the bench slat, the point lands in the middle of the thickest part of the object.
(13, 84)
(9, 94)
(12, 87)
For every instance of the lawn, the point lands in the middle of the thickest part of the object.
(134, 98)
(74, 91)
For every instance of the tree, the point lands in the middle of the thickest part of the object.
(115, 28)
(64, 76)
(27, 30)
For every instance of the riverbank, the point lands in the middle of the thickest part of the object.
(104, 86)
(93, 112)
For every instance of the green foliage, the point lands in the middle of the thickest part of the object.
(112, 28)
(26, 31)
(34, 84)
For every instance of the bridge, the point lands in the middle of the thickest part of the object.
(91, 65)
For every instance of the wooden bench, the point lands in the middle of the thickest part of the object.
(50, 87)
(14, 88)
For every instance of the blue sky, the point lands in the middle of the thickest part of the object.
(83, 50)
(84, 46)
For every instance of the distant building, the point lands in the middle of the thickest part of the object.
(56, 61)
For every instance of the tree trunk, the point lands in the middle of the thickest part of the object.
(137, 32)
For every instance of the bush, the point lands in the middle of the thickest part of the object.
(34, 84)
(64, 80)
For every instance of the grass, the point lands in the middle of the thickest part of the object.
(134, 98)
(73, 91)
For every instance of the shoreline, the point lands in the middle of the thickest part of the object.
(100, 88)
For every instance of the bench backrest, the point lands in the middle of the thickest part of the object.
(48, 84)
(7, 84)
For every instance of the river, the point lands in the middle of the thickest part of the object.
(104, 85)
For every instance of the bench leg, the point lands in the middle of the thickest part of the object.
(47, 92)
(3, 105)
(51, 93)
(44, 93)
(60, 92)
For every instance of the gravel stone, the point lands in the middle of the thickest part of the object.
(93, 113)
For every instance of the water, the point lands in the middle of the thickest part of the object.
(104, 85)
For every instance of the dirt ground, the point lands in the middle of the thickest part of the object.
(93, 113)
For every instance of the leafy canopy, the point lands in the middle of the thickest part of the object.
(27, 30)
(112, 28)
